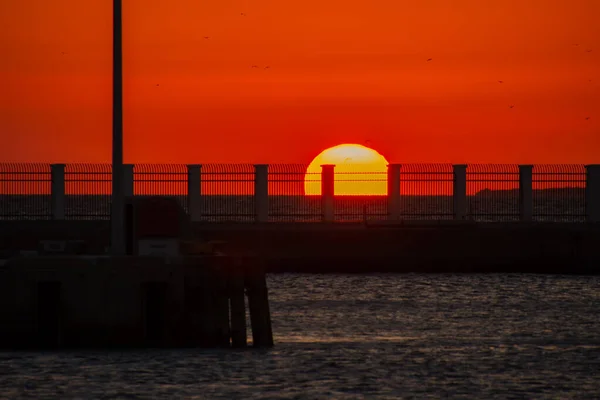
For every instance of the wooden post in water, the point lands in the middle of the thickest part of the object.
(258, 303)
(237, 305)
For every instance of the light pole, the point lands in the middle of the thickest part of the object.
(117, 215)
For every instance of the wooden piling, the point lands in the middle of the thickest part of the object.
(258, 303)
(238, 305)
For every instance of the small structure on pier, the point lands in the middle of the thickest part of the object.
(158, 226)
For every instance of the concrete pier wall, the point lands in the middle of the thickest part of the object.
(411, 247)
(113, 302)
(533, 248)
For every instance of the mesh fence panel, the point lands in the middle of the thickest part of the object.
(426, 191)
(88, 188)
(360, 195)
(287, 199)
(228, 192)
(25, 191)
(493, 192)
(162, 180)
(559, 193)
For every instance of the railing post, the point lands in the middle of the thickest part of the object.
(194, 184)
(592, 193)
(393, 191)
(261, 192)
(328, 191)
(58, 191)
(128, 180)
(460, 192)
(526, 192)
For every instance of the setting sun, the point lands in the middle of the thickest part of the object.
(359, 170)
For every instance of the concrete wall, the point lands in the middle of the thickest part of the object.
(545, 248)
(102, 299)
(26, 235)
(418, 247)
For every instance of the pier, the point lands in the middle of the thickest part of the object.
(200, 239)
(110, 302)
(169, 291)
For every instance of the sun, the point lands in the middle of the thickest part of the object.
(359, 170)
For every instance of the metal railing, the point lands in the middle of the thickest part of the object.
(493, 192)
(87, 190)
(288, 184)
(25, 191)
(559, 193)
(362, 195)
(426, 191)
(227, 192)
(292, 193)
(161, 180)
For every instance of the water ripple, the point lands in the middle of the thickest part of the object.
(352, 337)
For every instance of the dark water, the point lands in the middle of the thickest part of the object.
(380, 336)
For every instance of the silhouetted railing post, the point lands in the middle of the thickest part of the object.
(393, 191)
(117, 209)
(526, 192)
(592, 193)
(261, 192)
(460, 192)
(58, 191)
(128, 180)
(194, 186)
(327, 191)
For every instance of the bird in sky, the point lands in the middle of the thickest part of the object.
(267, 67)
(243, 14)
(254, 66)
(206, 37)
(587, 118)
(588, 51)
(500, 81)
(429, 59)
(511, 106)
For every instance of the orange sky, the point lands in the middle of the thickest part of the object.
(339, 71)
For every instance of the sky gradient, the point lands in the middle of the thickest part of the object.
(338, 72)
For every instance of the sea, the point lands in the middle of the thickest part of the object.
(411, 336)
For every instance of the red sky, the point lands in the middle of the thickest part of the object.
(339, 71)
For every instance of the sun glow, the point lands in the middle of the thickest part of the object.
(359, 170)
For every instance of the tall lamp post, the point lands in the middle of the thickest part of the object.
(117, 216)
